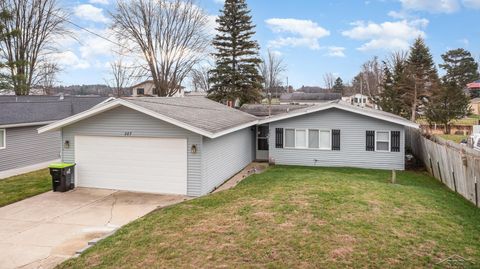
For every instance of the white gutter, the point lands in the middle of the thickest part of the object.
(13, 125)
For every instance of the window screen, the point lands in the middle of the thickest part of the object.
(313, 138)
(289, 138)
(300, 138)
(2, 138)
(383, 141)
(325, 139)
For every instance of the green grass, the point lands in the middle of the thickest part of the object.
(471, 120)
(291, 217)
(454, 138)
(19, 187)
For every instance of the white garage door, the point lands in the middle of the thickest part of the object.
(155, 165)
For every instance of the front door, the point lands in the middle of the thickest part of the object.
(262, 143)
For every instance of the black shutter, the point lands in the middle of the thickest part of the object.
(395, 141)
(370, 141)
(279, 138)
(335, 139)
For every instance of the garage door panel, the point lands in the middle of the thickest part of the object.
(156, 165)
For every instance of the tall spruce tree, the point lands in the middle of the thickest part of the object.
(461, 68)
(447, 103)
(338, 86)
(235, 74)
(390, 99)
(424, 76)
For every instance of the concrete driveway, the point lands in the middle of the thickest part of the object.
(49, 228)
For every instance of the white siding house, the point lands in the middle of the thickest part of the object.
(191, 145)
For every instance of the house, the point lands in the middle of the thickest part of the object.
(475, 106)
(147, 88)
(308, 98)
(191, 145)
(359, 100)
(22, 149)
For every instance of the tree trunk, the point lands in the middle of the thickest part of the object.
(414, 103)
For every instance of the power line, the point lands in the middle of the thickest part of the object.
(95, 34)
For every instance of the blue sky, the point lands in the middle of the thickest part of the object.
(314, 37)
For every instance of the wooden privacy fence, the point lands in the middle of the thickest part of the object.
(456, 166)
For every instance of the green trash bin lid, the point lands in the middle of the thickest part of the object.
(60, 165)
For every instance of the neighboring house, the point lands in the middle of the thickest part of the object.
(475, 106)
(308, 98)
(147, 88)
(191, 145)
(20, 144)
(359, 100)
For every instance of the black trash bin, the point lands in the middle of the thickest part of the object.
(62, 176)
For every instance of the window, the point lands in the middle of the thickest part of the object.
(289, 138)
(308, 138)
(300, 138)
(325, 140)
(3, 138)
(382, 141)
(313, 139)
(140, 91)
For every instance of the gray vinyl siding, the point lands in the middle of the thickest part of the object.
(352, 141)
(225, 156)
(120, 120)
(24, 147)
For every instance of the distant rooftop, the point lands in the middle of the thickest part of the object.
(260, 110)
(309, 97)
(39, 109)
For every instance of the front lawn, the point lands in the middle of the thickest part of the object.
(302, 217)
(19, 187)
(454, 138)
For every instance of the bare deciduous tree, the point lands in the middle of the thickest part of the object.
(170, 34)
(329, 80)
(39, 22)
(47, 76)
(372, 77)
(122, 76)
(271, 69)
(200, 78)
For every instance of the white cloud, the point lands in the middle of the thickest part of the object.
(305, 33)
(219, 1)
(335, 51)
(102, 2)
(387, 35)
(70, 60)
(90, 13)
(475, 4)
(435, 6)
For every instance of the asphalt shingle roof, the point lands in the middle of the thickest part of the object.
(197, 111)
(31, 109)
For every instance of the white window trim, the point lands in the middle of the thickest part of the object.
(307, 137)
(389, 140)
(329, 139)
(4, 138)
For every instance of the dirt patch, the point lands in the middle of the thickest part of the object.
(340, 253)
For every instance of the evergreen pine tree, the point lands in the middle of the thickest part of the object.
(6, 79)
(235, 74)
(460, 67)
(338, 86)
(447, 103)
(424, 76)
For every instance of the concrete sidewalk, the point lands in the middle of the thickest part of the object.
(44, 230)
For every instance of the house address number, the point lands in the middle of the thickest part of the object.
(128, 134)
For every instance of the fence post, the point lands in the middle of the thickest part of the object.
(454, 181)
(476, 191)
(431, 165)
(439, 172)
